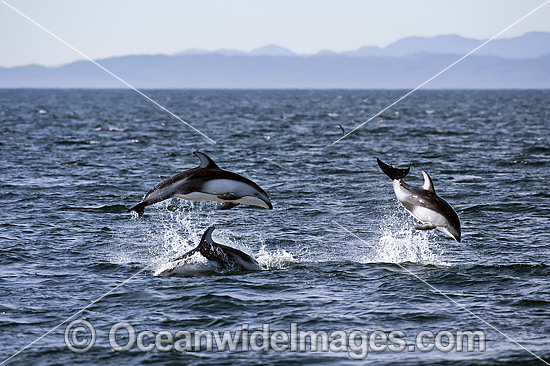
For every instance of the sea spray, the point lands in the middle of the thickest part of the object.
(399, 242)
(175, 228)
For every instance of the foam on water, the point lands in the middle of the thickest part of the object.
(168, 234)
(399, 242)
(155, 239)
(179, 232)
(274, 260)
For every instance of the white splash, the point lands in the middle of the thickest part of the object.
(399, 242)
(274, 260)
(167, 234)
(178, 232)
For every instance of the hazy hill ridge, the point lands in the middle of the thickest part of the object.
(521, 62)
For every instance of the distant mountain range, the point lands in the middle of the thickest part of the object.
(530, 45)
(521, 62)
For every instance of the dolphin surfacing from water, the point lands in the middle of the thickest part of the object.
(221, 256)
(423, 203)
(207, 182)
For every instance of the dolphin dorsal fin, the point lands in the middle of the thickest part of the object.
(428, 184)
(206, 246)
(207, 236)
(205, 161)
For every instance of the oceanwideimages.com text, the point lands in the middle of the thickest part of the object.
(80, 337)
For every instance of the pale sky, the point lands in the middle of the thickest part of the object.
(104, 28)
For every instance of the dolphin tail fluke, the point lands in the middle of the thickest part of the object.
(390, 171)
(139, 208)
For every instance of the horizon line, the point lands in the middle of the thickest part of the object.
(240, 52)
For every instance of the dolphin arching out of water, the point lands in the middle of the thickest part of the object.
(219, 255)
(207, 182)
(423, 203)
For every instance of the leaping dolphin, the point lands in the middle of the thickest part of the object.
(220, 255)
(207, 182)
(423, 203)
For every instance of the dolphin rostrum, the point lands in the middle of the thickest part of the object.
(423, 203)
(221, 256)
(207, 182)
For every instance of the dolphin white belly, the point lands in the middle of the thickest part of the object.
(429, 216)
(202, 196)
(198, 196)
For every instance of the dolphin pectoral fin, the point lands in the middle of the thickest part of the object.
(226, 206)
(230, 196)
(424, 227)
(186, 255)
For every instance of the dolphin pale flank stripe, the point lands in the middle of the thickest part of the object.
(423, 203)
(221, 256)
(207, 182)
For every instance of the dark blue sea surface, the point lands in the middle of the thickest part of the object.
(338, 252)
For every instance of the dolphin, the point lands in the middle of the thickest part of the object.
(221, 256)
(207, 182)
(423, 203)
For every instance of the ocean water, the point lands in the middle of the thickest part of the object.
(338, 252)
